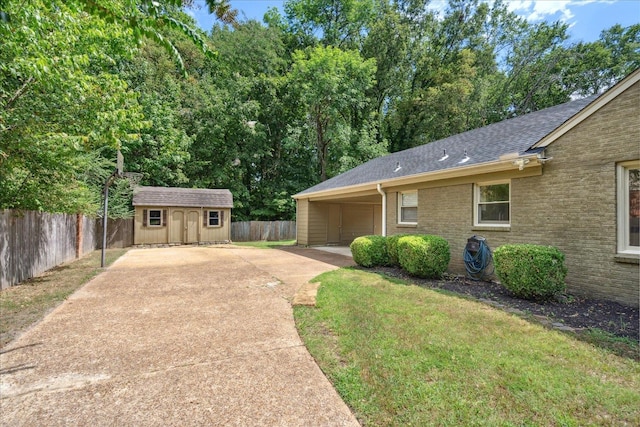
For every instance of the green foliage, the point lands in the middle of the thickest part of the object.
(531, 271)
(424, 255)
(370, 251)
(392, 248)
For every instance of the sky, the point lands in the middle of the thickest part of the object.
(587, 18)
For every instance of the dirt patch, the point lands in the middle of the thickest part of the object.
(573, 311)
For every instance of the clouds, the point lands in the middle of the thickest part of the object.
(563, 10)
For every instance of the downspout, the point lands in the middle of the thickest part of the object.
(384, 209)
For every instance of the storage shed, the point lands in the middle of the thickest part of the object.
(181, 215)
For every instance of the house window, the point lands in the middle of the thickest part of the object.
(408, 207)
(214, 219)
(492, 204)
(155, 218)
(629, 207)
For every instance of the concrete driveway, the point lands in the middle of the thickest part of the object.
(176, 336)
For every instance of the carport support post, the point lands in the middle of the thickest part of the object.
(384, 208)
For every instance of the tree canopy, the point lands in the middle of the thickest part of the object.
(264, 109)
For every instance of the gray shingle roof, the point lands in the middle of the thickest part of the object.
(186, 197)
(482, 145)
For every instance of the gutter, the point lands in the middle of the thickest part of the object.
(384, 208)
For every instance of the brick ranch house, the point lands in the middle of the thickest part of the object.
(567, 176)
(181, 215)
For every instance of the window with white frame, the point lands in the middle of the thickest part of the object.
(213, 219)
(155, 218)
(408, 207)
(629, 207)
(493, 204)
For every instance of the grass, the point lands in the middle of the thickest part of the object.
(26, 303)
(266, 244)
(405, 355)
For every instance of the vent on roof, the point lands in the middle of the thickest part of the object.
(465, 159)
(444, 157)
(398, 167)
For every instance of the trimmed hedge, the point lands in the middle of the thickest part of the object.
(424, 255)
(370, 251)
(531, 272)
(392, 249)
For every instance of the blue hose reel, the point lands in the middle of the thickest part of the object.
(478, 258)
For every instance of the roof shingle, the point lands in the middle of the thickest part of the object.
(184, 197)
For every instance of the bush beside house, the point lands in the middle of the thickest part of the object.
(424, 255)
(421, 255)
(531, 271)
(370, 251)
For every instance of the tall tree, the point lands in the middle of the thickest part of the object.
(331, 84)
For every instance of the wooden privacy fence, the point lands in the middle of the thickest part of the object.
(253, 231)
(119, 233)
(33, 242)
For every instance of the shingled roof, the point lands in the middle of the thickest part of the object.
(514, 136)
(185, 197)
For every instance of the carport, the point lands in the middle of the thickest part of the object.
(338, 219)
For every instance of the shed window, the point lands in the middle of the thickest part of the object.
(408, 207)
(629, 207)
(214, 219)
(492, 204)
(155, 218)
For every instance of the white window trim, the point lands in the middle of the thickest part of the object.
(476, 201)
(400, 193)
(149, 218)
(219, 216)
(622, 173)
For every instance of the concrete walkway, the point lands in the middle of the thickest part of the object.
(176, 337)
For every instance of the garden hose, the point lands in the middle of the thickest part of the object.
(477, 258)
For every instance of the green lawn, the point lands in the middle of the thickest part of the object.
(405, 355)
(266, 244)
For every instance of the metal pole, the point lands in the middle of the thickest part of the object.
(104, 217)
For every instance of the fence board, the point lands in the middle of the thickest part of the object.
(253, 231)
(119, 233)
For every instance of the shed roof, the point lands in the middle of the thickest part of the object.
(185, 197)
(486, 144)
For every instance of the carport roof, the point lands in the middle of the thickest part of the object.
(511, 138)
(184, 197)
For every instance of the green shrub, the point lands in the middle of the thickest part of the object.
(392, 248)
(424, 255)
(531, 272)
(370, 251)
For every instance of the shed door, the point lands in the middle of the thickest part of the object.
(177, 227)
(192, 226)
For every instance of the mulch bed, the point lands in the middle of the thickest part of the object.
(573, 311)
